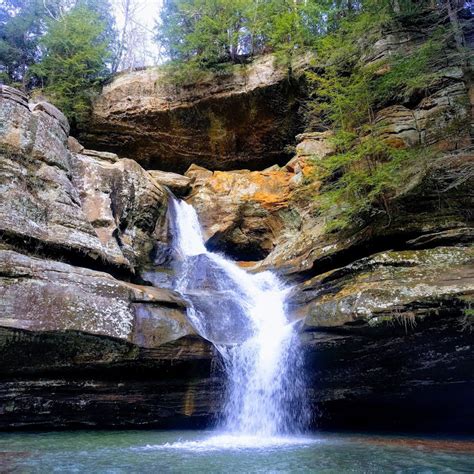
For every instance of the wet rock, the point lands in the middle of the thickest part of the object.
(413, 378)
(43, 295)
(223, 323)
(178, 184)
(69, 379)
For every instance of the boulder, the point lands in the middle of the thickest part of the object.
(178, 184)
(241, 212)
(126, 208)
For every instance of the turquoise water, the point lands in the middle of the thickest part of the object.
(204, 452)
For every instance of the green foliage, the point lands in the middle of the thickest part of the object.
(74, 61)
(204, 32)
(360, 180)
(414, 73)
(24, 22)
(201, 34)
(369, 174)
(21, 24)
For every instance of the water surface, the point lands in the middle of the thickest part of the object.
(208, 452)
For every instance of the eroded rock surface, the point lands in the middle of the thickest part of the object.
(240, 210)
(79, 346)
(239, 120)
(80, 204)
(390, 287)
(126, 208)
(385, 306)
(39, 201)
(44, 295)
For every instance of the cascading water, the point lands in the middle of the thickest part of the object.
(244, 316)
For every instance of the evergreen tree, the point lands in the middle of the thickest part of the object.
(21, 26)
(74, 60)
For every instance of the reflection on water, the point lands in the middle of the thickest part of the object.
(208, 452)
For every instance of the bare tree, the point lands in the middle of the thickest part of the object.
(134, 36)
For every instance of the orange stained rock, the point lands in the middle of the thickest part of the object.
(270, 188)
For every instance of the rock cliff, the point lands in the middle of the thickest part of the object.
(91, 334)
(80, 343)
(244, 118)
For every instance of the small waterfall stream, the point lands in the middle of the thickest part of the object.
(243, 315)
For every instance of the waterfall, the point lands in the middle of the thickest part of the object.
(243, 315)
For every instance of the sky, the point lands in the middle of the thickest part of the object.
(146, 15)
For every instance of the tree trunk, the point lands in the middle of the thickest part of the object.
(396, 6)
(452, 6)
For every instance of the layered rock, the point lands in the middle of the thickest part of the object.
(178, 184)
(82, 204)
(385, 306)
(244, 118)
(388, 341)
(79, 346)
(126, 207)
(388, 288)
(54, 379)
(44, 295)
(40, 203)
(432, 209)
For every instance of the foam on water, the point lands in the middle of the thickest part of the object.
(244, 316)
(222, 442)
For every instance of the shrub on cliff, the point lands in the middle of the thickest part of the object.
(366, 172)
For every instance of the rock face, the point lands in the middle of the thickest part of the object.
(88, 205)
(79, 346)
(40, 203)
(384, 307)
(389, 341)
(248, 205)
(242, 119)
(44, 295)
(55, 379)
(126, 208)
(176, 183)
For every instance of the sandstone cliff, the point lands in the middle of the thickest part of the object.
(74, 334)
(244, 118)
(91, 334)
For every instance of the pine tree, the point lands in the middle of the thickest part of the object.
(74, 60)
(21, 26)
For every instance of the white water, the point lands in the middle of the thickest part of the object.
(244, 316)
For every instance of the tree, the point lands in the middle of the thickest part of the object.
(24, 22)
(206, 32)
(74, 60)
(133, 43)
(21, 26)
